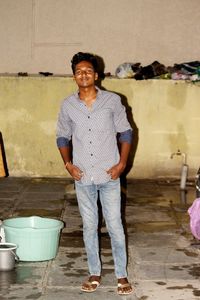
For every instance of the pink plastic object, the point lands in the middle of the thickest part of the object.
(194, 213)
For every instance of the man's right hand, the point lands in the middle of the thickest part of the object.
(74, 171)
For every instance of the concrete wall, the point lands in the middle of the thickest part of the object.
(165, 113)
(42, 35)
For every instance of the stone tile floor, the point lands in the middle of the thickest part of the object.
(163, 256)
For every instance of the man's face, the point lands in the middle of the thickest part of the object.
(85, 75)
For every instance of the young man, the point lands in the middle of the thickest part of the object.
(92, 118)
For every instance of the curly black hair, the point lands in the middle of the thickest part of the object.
(84, 56)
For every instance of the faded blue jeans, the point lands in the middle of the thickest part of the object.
(110, 198)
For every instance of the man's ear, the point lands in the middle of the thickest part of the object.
(96, 76)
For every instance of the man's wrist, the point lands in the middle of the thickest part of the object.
(67, 164)
(122, 165)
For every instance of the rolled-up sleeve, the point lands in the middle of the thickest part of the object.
(62, 142)
(126, 136)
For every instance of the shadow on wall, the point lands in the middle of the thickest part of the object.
(135, 134)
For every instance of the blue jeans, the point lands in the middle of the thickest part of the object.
(110, 197)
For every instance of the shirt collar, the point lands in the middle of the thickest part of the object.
(76, 94)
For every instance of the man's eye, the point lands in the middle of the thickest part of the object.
(80, 72)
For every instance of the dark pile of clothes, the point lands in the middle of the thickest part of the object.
(183, 71)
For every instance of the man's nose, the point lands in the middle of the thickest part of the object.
(84, 73)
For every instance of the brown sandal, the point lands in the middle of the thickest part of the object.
(90, 286)
(121, 289)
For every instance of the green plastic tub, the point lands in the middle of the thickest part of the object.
(36, 238)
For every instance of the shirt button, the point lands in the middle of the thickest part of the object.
(90, 142)
(91, 154)
(88, 117)
(89, 129)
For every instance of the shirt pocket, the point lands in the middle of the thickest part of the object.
(104, 120)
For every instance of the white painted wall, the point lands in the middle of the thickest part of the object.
(43, 35)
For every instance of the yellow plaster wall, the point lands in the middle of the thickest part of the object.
(166, 118)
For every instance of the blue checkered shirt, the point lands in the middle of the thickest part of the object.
(93, 133)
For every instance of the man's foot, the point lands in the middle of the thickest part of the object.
(91, 284)
(124, 287)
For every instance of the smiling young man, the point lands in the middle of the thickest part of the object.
(91, 118)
